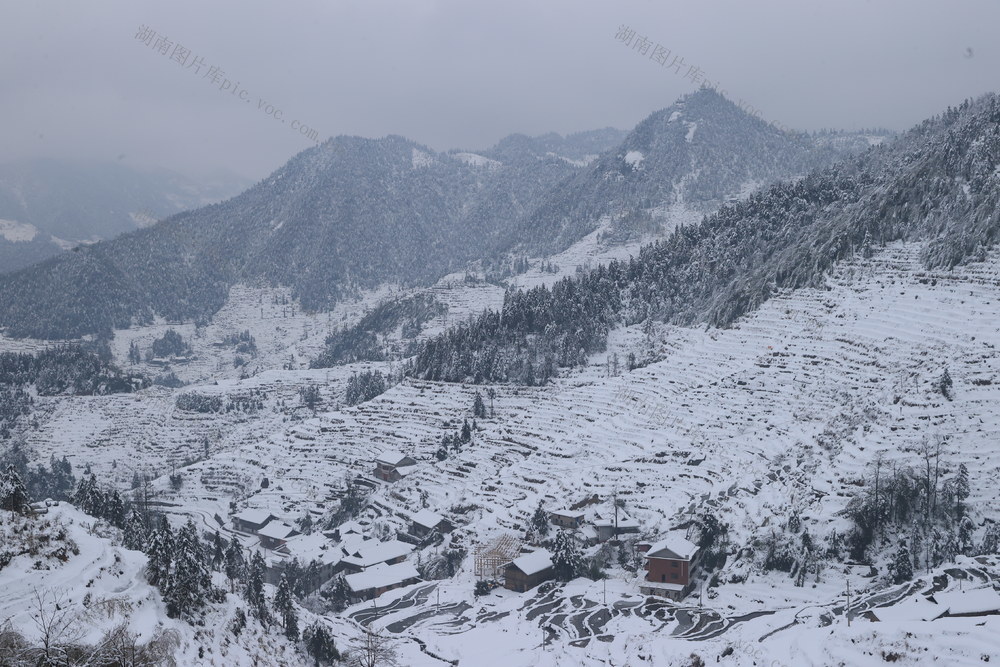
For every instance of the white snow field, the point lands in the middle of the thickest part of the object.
(783, 410)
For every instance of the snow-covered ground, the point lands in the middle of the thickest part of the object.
(784, 410)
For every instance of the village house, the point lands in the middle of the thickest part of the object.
(375, 581)
(566, 518)
(251, 520)
(391, 466)
(606, 527)
(275, 534)
(527, 571)
(307, 550)
(373, 553)
(424, 522)
(670, 566)
(984, 601)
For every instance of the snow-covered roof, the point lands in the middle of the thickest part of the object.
(911, 609)
(391, 457)
(673, 545)
(427, 518)
(254, 516)
(381, 576)
(569, 514)
(588, 532)
(534, 562)
(349, 527)
(308, 548)
(276, 530)
(975, 601)
(625, 522)
(378, 552)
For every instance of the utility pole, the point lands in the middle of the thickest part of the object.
(615, 498)
(848, 601)
(605, 581)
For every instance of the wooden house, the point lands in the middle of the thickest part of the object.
(527, 571)
(391, 466)
(424, 522)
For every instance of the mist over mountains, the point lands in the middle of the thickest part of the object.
(354, 213)
(47, 206)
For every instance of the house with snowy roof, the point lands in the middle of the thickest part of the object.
(670, 567)
(391, 466)
(383, 577)
(983, 601)
(316, 555)
(372, 553)
(566, 518)
(606, 528)
(275, 534)
(424, 522)
(251, 520)
(528, 570)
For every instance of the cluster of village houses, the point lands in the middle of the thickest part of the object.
(372, 567)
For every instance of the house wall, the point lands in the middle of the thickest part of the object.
(665, 570)
(386, 473)
(565, 522)
(515, 580)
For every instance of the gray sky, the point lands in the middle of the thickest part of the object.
(76, 83)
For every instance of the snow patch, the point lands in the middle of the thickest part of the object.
(674, 116)
(422, 159)
(17, 232)
(690, 134)
(477, 160)
(634, 158)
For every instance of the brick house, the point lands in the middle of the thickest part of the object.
(391, 466)
(527, 571)
(670, 567)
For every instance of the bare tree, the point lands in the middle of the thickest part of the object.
(373, 649)
(58, 627)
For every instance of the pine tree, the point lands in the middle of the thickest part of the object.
(190, 581)
(218, 552)
(320, 644)
(466, 431)
(902, 564)
(540, 521)
(991, 540)
(961, 489)
(161, 548)
(339, 594)
(567, 562)
(235, 564)
(284, 608)
(478, 406)
(254, 593)
(13, 494)
(134, 531)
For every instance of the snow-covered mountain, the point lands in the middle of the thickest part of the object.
(802, 384)
(354, 214)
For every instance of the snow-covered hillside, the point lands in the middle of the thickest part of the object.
(784, 411)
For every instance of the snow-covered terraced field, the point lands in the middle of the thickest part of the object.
(784, 410)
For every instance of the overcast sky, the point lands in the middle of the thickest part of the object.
(75, 82)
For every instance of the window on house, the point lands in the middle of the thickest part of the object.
(674, 576)
(663, 577)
